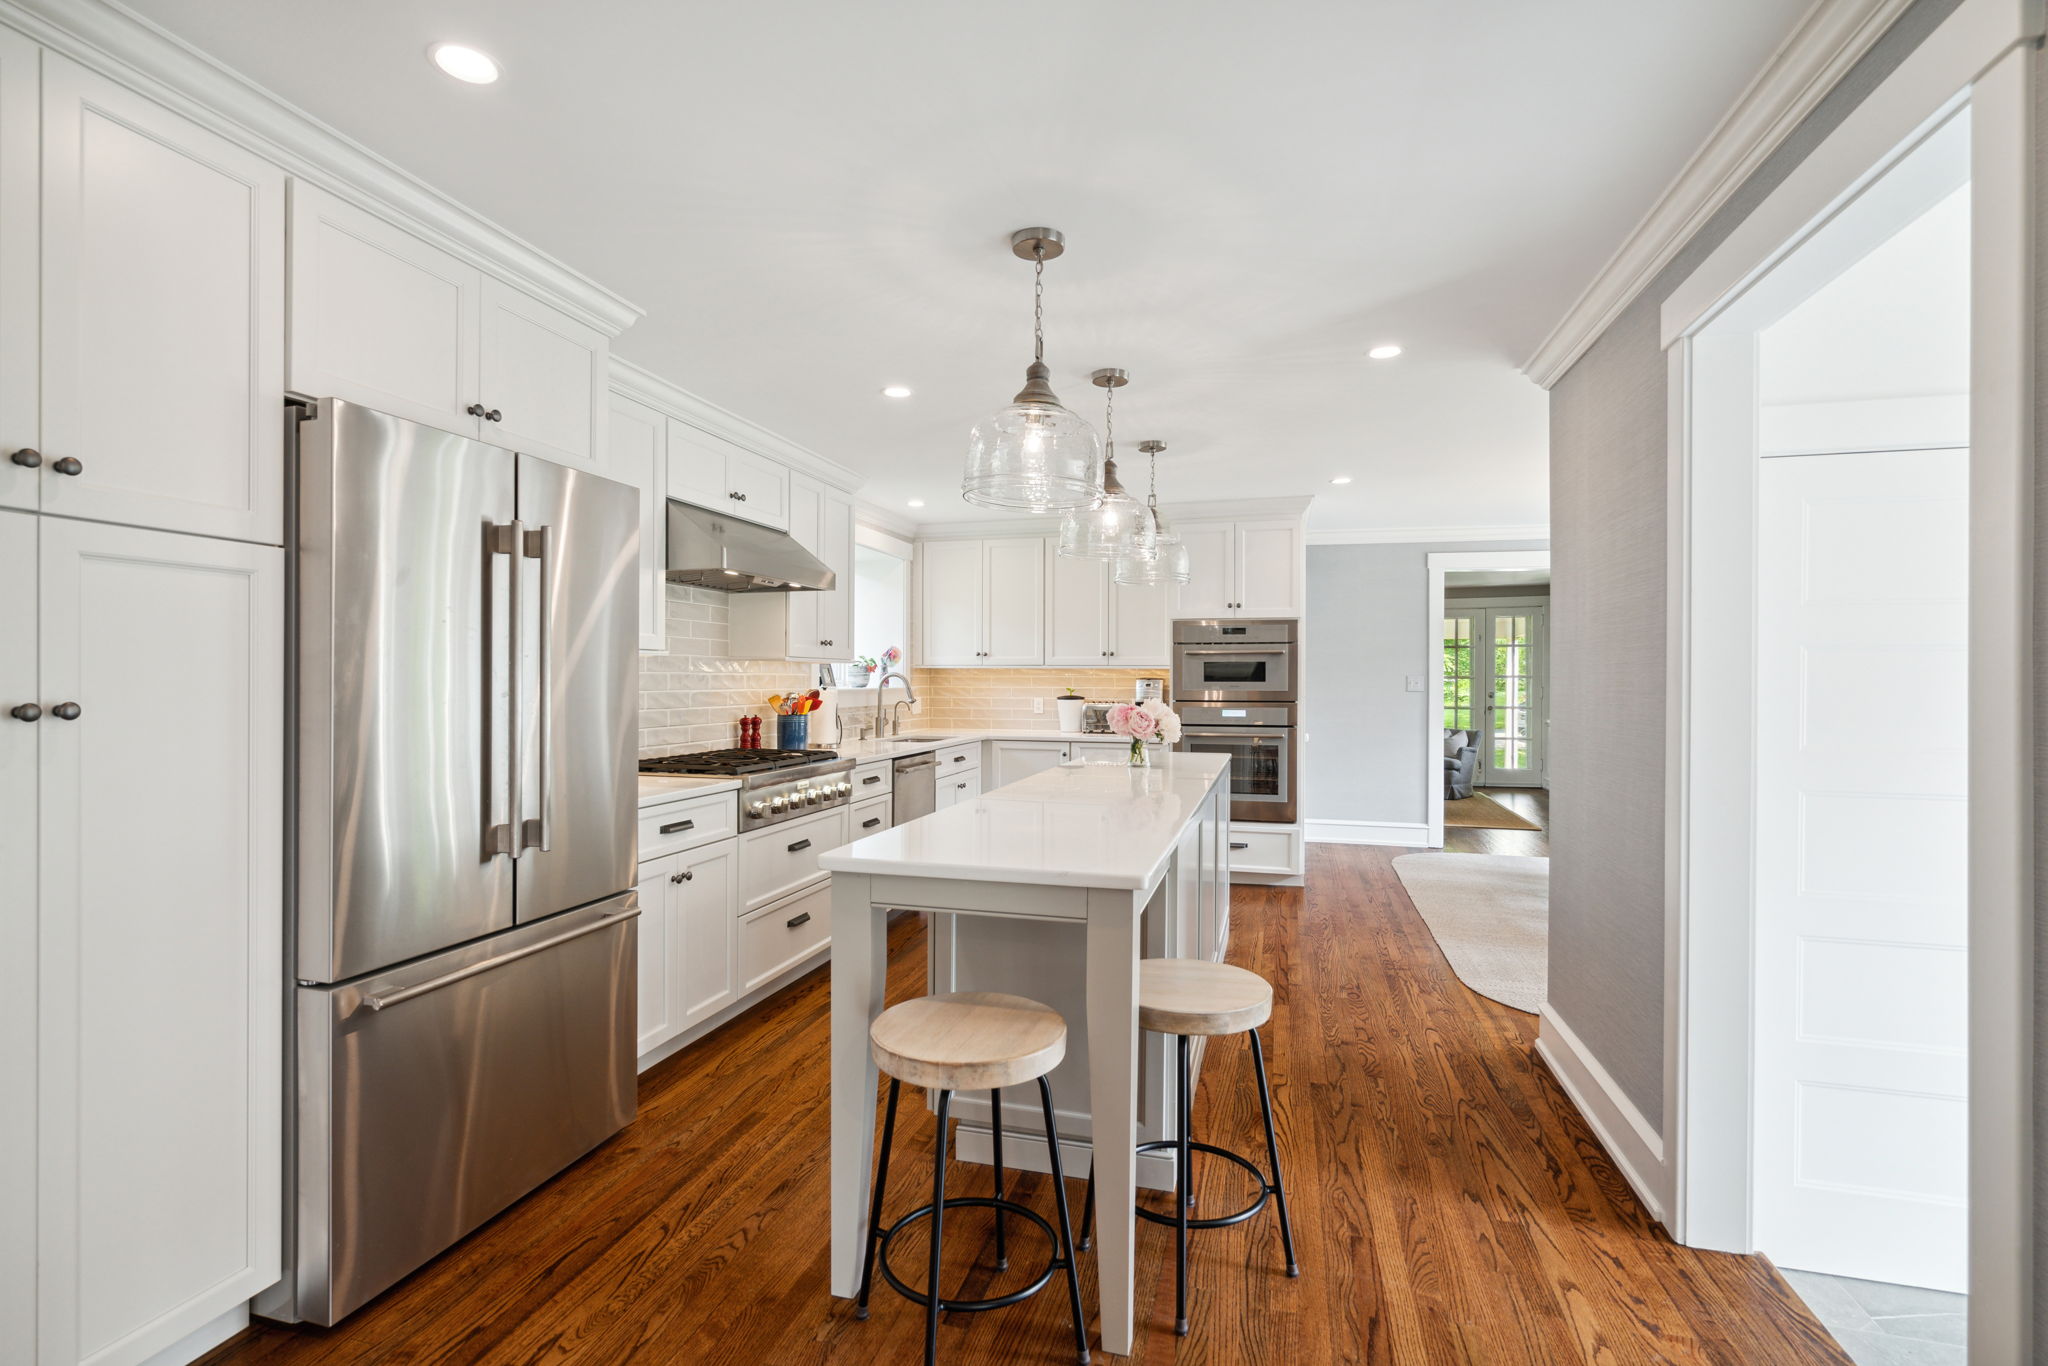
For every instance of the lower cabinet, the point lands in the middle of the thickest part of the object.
(1258, 847)
(780, 935)
(688, 905)
(958, 787)
(1009, 760)
(866, 818)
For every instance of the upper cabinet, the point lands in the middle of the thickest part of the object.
(385, 319)
(712, 472)
(1242, 569)
(805, 626)
(1093, 622)
(163, 308)
(20, 266)
(984, 603)
(638, 443)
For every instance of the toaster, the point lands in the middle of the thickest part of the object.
(1095, 718)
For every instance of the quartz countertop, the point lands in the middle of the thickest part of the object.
(655, 788)
(931, 738)
(1078, 825)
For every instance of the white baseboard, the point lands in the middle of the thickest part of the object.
(1404, 833)
(1636, 1147)
(202, 1339)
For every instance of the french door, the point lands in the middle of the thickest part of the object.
(1496, 682)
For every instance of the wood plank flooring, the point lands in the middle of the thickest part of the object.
(1450, 1207)
(1531, 803)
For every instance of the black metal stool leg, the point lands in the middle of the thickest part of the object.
(1180, 1200)
(995, 1120)
(1059, 1199)
(867, 1270)
(1273, 1154)
(1088, 1210)
(931, 1310)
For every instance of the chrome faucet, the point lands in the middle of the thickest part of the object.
(882, 720)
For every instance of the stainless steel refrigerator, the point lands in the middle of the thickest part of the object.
(466, 656)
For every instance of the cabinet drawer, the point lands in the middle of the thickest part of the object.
(783, 858)
(687, 823)
(959, 758)
(873, 780)
(867, 818)
(1265, 849)
(777, 937)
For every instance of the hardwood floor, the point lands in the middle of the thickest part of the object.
(1450, 1207)
(1532, 803)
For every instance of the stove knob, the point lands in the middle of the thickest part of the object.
(778, 804)
(758, 807)
(811, 796)
(845, 787)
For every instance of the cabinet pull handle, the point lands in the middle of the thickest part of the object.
(872, 778)
(475, 410)
(799, 846)
(27, 711)
(1236, 845)
(959, 758)
(68, 465)
(871, 822)
(65, 711)
(679, 825)
(494, 416)
(801, 919)
(27, 456)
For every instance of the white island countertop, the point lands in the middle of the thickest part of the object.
(1079, 825)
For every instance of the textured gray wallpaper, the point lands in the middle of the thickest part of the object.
(2040, 710)
(1608, 488)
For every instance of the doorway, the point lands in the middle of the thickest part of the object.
(1487, 728)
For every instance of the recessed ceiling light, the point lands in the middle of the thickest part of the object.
(916, 503)
(1387, 352)
(1341, 479)
(464, 63)
(896, 391)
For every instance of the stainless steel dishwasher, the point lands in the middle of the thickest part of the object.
(915, 791)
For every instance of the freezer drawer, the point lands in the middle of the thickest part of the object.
(433, 1096)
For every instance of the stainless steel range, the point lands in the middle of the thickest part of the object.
(775, 784)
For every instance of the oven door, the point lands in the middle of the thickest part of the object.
(1261, 767)
(1233, 673)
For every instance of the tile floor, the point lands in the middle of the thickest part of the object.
(1886, 1325)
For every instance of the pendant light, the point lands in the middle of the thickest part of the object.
(1100, 532)
(1154, 555)
(1034, 455)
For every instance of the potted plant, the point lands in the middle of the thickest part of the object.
(863, 671)
(1070, 704)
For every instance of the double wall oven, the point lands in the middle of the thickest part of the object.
(1234, 685)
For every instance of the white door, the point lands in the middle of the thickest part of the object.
(1009, 760)
(163, 317)
(1141, 632)
(696, 467)
(805, 639)
(1513, 695)
(543, 377)
(1862, 824)
(659, 946)
(1013, 583)
(18, 746)
(1212, 582)
(638, 439)
(159, 1091)
(1269, 569)
(835, 548)
(20, 328)
(707, 908)
(949, 575)
(760, 488)
(1076, 612)
(379, 317)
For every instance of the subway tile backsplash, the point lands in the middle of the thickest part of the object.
(694, 695)
(1001, 699)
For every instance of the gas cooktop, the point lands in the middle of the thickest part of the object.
(733, 763)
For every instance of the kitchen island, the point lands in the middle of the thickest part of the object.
(1053, 887)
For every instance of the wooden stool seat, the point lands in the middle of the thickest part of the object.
(1188, 996)
(968, 1040)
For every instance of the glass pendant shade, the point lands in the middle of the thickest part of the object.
(1151, 534)
(1033, 456)
(1168, 565)
(1101, 532)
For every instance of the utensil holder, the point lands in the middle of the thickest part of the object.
(792, 732)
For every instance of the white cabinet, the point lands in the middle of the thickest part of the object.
(150, 949)
(382, 318)
(1243, 569)
(689, 905)
(868, 818)
(712, 472)
(1009, 760)
(804, 626)
(777, 938)
(20, 284)
(957, 787)
(638, 441)
(1093, 622)
(781, 859)
(162, 316)
(984, 603)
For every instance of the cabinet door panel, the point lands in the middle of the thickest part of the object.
(18, 746)
(955, 788)
(950, 577)
(1014, 587)
(638, 440)
(763, 486)
(1009, 760)
(696, 467)
(1211, 585)
(20, 327)
(707, 909)
(544, 372)
(163, 316)
(1143, 628)
(804, 637)
(660, 948)
(379, 317)
(1269, 569)
(161, 964)
(1076, 612)
(835, 548)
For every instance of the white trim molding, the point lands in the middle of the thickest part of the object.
(1832, 37)
(637, 382)
(1407, 834)
(1631, 1140)
(1431, 535)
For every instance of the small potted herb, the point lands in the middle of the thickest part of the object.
(1070, 704)
(863, 671)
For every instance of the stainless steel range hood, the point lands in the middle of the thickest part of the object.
(711, 550)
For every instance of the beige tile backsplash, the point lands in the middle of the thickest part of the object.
(694, 694)
(1000, 699)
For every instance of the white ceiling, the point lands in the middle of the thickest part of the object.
(812, 199)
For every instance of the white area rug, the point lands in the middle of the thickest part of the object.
(1490, 914)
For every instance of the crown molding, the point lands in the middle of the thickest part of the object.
(1421, 535)
(125, 47)
(1235, 510)
(882, 519)
(643, 385)
(1833, 36)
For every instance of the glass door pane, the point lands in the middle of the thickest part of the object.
(1458, 678)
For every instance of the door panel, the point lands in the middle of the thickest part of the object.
(1269, 568)
(835, 548)
(1209, 590)
(163, 316)
(20, 287)
(544, 373)
(950, 574)
(706, 917)
(696, 467)
(18, 747)
(659, 954)
(1013, 582)
(763, 485)
(1077, 612)
(805, 638)
(578, 747)
(1514, 666)
(1862, 832)
(1143, 631)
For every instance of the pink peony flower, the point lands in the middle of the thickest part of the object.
(1127, 718)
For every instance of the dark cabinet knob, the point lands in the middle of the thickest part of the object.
(27, 711)
(684, 876)
(28, 456)
(738, 496)
(494, 416)
(475, 410)
(68, 465)
(65, 711)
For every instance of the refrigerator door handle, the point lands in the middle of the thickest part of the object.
(539, 544)
(505, 539)
(391, 998)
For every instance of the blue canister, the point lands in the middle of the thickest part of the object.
(792, 732)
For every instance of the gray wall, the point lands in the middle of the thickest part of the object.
(2040, 711)
(1608, 491)
(1368, 630)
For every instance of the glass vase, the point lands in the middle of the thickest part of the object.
(1141, 754)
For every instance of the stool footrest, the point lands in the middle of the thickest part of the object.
(1058, 1263)
(1222, 1221)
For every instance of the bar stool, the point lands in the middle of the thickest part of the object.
(969, 1041)
(1190, 998)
